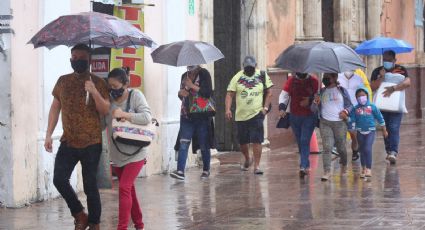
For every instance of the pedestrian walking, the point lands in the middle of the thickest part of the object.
(82, 134)
(128, 160)
(392, 119)
(196, 114)
(362, 119)
(251, 87)
(351, 81)
(334, 105)
(301, 90)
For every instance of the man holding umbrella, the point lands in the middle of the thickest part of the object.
(82, 135)
(392, 119)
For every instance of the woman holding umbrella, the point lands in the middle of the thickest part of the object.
(334, 105)
(301, 90)
(195, 118)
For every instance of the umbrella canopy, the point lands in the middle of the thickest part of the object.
(379, 45)
(90, 28)
(319, 57)
(186, 53)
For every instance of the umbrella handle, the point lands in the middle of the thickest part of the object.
(88, 95)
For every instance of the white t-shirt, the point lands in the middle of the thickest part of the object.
(332, 104)
(351, 85)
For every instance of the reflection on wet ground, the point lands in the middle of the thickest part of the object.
(232, 199)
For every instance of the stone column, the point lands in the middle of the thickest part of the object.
(312, 20)
(374, 10)
(342, 21)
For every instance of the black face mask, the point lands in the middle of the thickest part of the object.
(80, 66)
(326, 81)
(302, 76)
(249, 71)
(116, 93)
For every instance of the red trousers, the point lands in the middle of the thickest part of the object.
(128, 203)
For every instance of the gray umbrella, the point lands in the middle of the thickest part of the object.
(186, 53)
(319, 57)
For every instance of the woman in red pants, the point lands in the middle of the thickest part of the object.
(127, 105)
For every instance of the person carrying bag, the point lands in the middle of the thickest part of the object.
(128, 123)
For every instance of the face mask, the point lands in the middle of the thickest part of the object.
(301, 76)
(348, 74)
(249, 71)
(80, 66)
(388, 65)
(116, 93)
(326, 81)
(362, 100)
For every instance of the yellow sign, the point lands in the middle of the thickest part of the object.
(130, 57)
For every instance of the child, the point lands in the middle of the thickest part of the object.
(362, 119)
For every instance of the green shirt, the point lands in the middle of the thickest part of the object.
(249, 94)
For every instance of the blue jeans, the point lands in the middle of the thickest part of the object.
(189, 127)
(392, 122)
(303, 127)
(365, 148)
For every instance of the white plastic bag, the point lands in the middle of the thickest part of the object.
(397, 101)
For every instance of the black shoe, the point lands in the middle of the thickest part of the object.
(355, 155)
(303, 172)
(177, 175)
(205, 174)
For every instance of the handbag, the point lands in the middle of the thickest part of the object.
(199, 104)
(125, 132)
(284, 122)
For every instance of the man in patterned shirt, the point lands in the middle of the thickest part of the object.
(82, 134)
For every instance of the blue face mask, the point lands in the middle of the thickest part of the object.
(388, 65)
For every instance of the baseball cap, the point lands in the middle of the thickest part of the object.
(249, 61)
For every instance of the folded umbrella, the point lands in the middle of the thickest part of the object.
(186, 53)
(379, 45)
(319, 57)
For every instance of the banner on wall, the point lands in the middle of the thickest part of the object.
(130, 57)
(100, 65)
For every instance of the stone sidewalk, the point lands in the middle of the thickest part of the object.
(232, 199)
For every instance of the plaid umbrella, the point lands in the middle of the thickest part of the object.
(90, 28)
(186, 53)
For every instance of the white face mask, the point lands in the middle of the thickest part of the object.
(348, 74)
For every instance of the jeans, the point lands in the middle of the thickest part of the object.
(392, 122)
(66, 159)
(303, 127)
(128, 202)
(189, 127)
(365, 148)
(333, 133)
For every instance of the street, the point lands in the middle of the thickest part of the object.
(232, 199)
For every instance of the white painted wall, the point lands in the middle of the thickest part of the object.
(168, 21)
(29, 75)
(6, 176)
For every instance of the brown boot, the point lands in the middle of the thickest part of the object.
(81, 220)
(94, 227)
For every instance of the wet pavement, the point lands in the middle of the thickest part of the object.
(232, 199)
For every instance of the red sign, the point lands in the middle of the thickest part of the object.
(100, 65)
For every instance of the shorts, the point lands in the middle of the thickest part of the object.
(252, 130)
